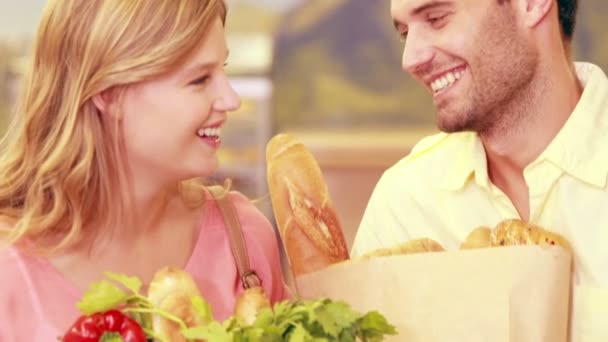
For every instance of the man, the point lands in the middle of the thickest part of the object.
(524, 135)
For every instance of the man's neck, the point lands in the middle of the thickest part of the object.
(542, 110)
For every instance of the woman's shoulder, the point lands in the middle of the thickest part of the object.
(246, 208)
(261, 240)
(249, 212)
(22, 319)
(14, 285)
(14, 261)
(8, 260)
(12, 266)
(254, 223)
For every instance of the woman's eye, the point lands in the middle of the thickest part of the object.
(201, 80)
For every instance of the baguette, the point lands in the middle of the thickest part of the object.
(308, 225)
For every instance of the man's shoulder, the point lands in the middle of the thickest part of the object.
(431, 156)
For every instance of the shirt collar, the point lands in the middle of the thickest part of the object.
(468, 162)
(579, 149)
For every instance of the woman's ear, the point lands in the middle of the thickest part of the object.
(535, 11)
(106, 102)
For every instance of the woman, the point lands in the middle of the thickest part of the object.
(121, 111)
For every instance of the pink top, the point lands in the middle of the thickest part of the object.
(31, 290)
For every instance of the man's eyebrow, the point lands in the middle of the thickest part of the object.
(429, 5)
(417, 10)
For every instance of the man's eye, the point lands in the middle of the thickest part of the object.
(403, 35)
(201, 80)
(434, 19)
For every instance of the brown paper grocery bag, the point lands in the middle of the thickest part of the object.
(515, 294)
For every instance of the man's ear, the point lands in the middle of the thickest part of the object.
(106, 102)
(534, 11)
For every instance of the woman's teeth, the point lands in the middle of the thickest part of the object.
(446, 81)
(208, 132)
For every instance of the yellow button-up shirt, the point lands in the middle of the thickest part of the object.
(442, 190)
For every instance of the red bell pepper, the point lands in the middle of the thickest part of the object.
(91, 328)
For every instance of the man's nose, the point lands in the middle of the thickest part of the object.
(417, 52)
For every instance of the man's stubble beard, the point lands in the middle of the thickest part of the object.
(500, 74)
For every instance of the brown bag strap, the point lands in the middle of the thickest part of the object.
(248, 277)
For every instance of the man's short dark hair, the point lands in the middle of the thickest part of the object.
(567, 16)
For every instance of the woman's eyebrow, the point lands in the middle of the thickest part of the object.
(204, 65)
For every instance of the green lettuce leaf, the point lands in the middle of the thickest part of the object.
(131, 283)
(202, 308)
(101, 296)
(213, 332)
(334, 317)
(300, 334)
(373, 327)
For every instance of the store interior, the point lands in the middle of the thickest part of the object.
(328, 72)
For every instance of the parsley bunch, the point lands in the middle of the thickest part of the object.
(301, 321)
(322, 320)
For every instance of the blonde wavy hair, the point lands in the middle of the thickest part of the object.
(61, 161)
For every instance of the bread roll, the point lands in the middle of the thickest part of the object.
(549, 238)
(172, 290)
(249, 304)
(517, 232)
(307, 221)
(512, 232)
(479, 238)
(421, 245)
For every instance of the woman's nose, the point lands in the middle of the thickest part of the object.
(228, 100)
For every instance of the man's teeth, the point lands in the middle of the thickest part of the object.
(209, 132)
(446, 80)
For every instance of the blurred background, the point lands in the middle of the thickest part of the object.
(327, 71)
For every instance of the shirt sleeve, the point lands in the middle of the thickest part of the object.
(382, 224)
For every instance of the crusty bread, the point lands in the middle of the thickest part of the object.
(172, 290)
(518, 232)
(249, 304)
(307, 221)
(512, 232)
